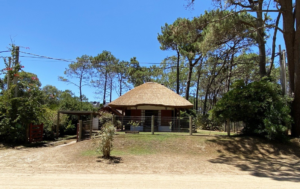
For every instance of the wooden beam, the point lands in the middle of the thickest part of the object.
(80, 130)
(152, 124)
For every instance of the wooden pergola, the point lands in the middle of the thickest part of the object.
(78, 113)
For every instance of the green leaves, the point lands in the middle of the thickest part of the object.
(259, 104)
(137, 74)
(19, 112)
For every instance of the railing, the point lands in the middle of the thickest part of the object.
(163, 124)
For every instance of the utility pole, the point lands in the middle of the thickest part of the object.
(8, 75)
(17, 51)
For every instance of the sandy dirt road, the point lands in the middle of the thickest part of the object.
(93, 181)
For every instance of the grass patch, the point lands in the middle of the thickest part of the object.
(89, 153)
(147, 144)
(208, 132)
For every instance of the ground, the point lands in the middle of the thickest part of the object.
(161, 161)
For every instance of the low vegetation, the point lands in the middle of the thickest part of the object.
(105, 143)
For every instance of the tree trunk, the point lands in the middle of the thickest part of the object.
(274, 44)
(296, 105)
(178, 59)
(104, 93)
(197, 90)
(188, 83)
(261, 41)
(80, 92)
(289, 37)
(110, 89)
(230, 71)
(292, 43)
(205, 100)
(198, 83)
(121, 81)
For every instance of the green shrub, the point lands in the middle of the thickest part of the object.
(105, 118)
(106, 139)
(16, 113)
(260, 105)
(49, 119)
(70, 129)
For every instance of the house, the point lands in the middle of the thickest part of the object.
(150, 99)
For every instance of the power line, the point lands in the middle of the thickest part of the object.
(65, 60)
(68, 60)
(41, 56)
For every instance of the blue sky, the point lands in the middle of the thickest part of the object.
(68, 29)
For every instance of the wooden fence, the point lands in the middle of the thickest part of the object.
(35, 133)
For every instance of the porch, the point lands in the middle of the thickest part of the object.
(160, 123)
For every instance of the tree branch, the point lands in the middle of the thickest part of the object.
(274, 43)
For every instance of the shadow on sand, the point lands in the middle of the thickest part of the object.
(110, 160)
(260, 157)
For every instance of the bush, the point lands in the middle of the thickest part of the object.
(49, 134)
(106, 139)
(49, 118)
(105, 118)
(207, 122)
(16, 113)
(70, 129)
(260, 105)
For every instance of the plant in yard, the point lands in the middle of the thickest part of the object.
(134, 124)
(106, 139)
(170, 125)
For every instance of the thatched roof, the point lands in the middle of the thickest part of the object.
(151, 93)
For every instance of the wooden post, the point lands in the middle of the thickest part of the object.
(152, 124)
(80, 130)
(91, 125)
(57, 125)
(228, 127)
(122, 120)
(190, 122)
(27, 133)
(179, 126)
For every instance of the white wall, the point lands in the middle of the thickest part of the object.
(96, 123)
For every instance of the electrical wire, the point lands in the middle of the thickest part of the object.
(36, 56)
(41, 56)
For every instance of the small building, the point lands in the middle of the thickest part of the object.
(151, 99)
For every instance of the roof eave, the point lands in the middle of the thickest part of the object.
(145, 104)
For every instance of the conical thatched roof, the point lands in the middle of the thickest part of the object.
(151, 93)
